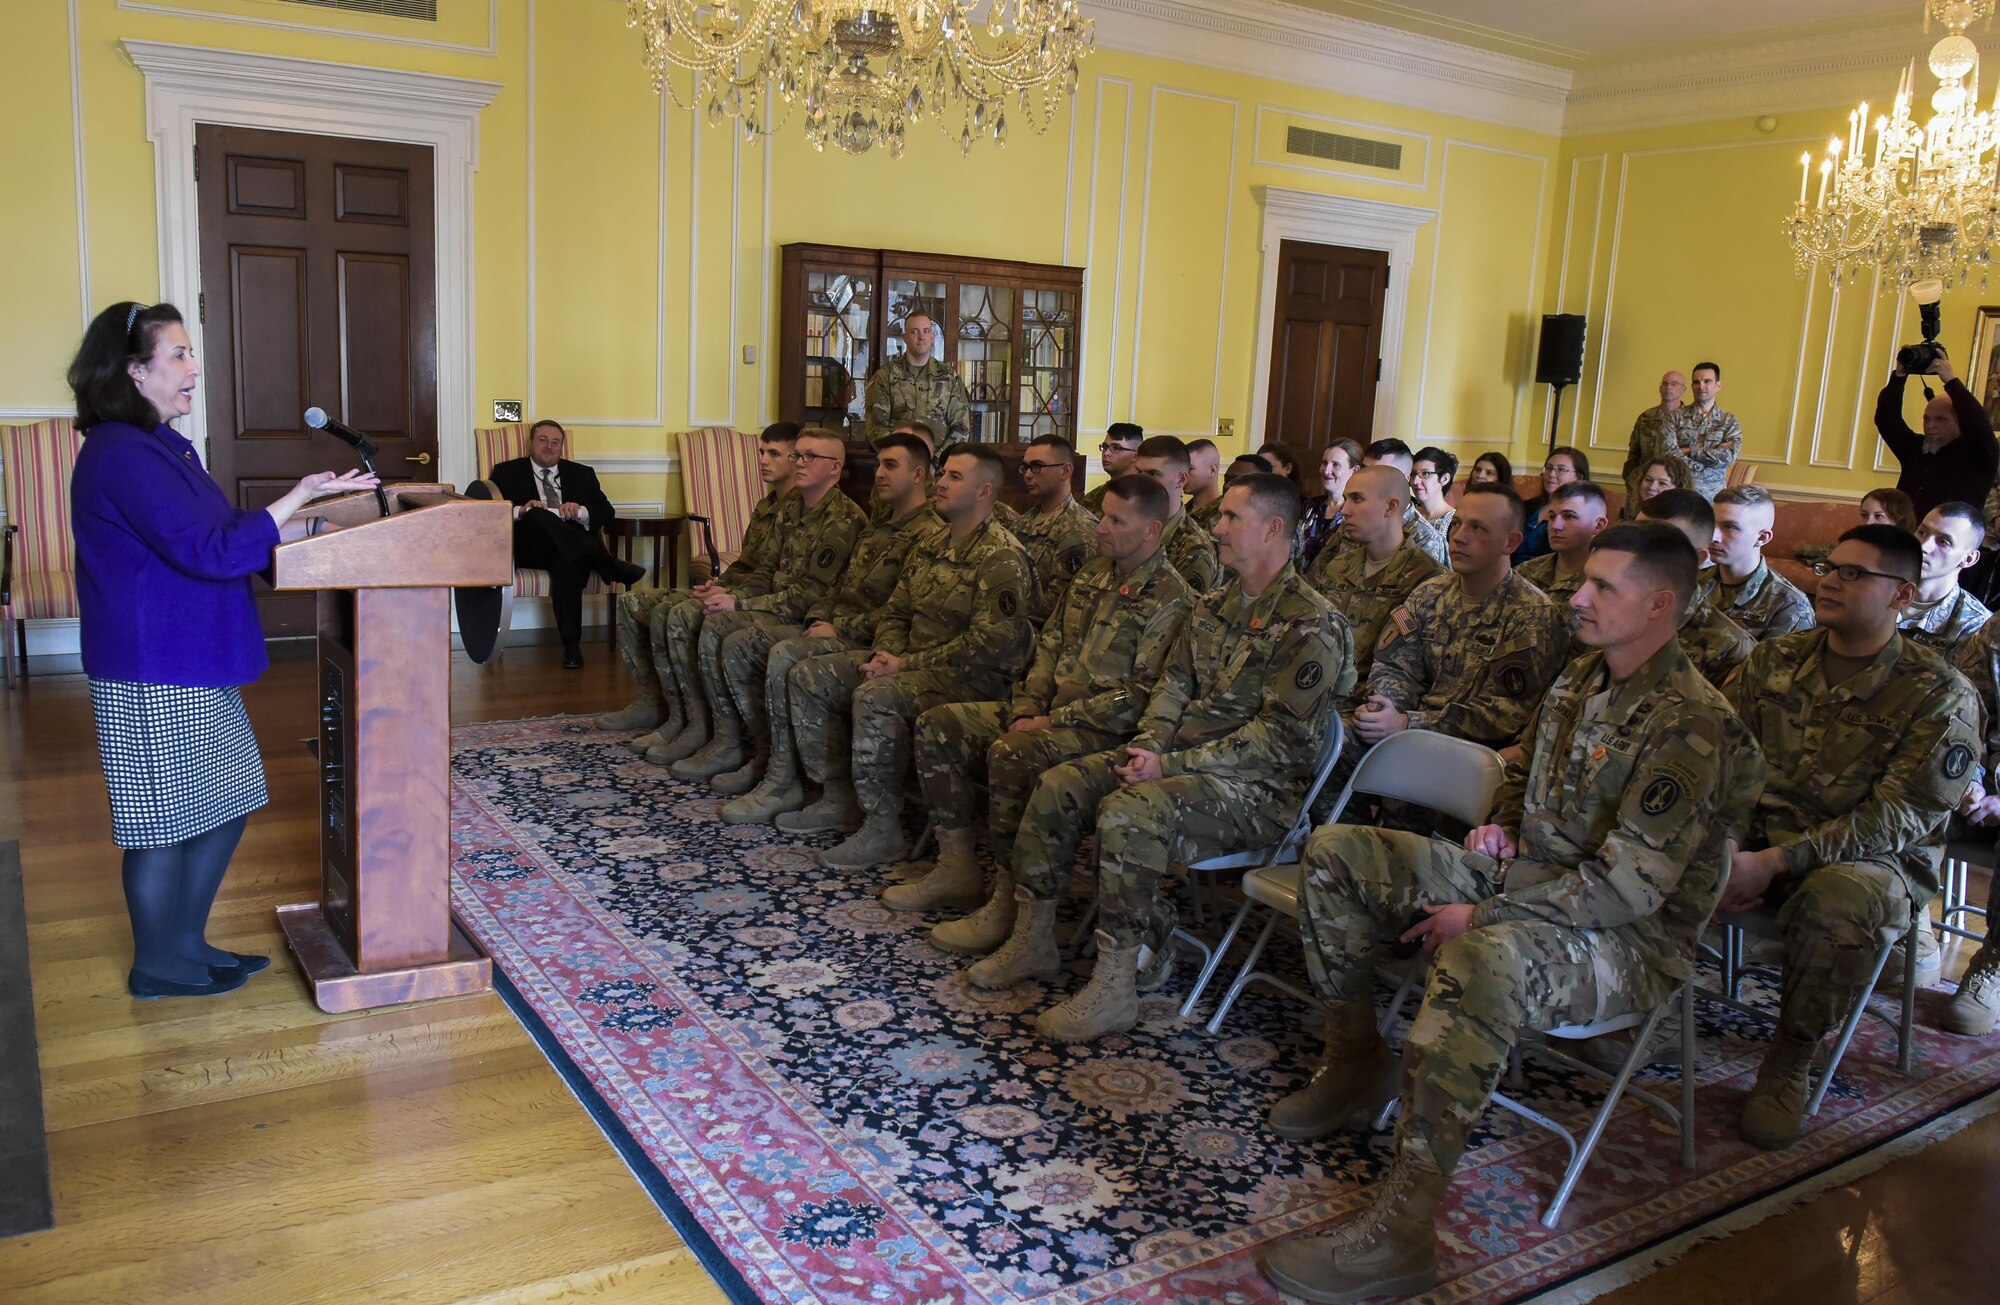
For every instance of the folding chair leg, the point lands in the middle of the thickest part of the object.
(1403, 989)
(1084, 927)
(1215, 958)
(1906, 1027)
(1243, 975)
(1853, 1021)
(1641, 1040)
(1688, 1050)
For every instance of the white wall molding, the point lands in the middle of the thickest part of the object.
(26, 416)
(490, 46)
(634, 464)
(1812, 493)
(1305, 47)
(1335, 220)
(188, 85)
(76, 147)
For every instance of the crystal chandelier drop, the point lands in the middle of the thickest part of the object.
(864, 71)
(1923, 201)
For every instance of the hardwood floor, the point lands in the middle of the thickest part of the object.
(250, 1148)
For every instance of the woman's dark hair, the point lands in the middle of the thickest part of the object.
(1275, 453)
(1897, 504)
(1444, 464)
(1577, 458)
(116, 338)
(1502, 468)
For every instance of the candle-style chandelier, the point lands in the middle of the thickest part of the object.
(864, 71)
(1921, 202)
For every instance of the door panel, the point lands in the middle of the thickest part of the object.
(1325, 346)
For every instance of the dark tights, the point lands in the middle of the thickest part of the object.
(168, 893)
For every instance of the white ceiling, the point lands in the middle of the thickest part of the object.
(1572, 31)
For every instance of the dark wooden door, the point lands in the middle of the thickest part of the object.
(318, 288)
(1326, 347)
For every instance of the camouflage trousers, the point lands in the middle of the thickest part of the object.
(1141, 831)
(1832, 921)
(828, 692)
(676, 634)
(634, 619)
(754, 634)
(960, 741)
(742, 660)
(1360, 886)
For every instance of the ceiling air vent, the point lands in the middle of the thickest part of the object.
(422, 10)
(1344, 149)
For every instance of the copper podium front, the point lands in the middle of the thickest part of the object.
(382, 930)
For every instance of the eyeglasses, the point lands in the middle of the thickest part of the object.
(800, 459)
(1027, 467)
(1120, 445)
(1850, 573)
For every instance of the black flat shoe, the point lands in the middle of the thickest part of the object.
(572, 657)
(245, 965)
(145, 987)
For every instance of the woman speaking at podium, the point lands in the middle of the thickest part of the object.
(169, 632)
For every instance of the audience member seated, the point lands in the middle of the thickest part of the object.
(1975, 1007)
(1956, 456)
(1707, 438)
(1059, 533)
(1582, 899)
(1888, 507)
(1490, 468)
(1164, 458)
(1944, 615)
(1714, 643)
(558, 512)
(1204, 485)
(1871, 741)
(1469, 653)
(1433, 476)
(1739, 584)
(1563, 465)
(1659, 475)
(1121, 444)
(1220, 762)
(1576, 513)
(1417, 528)
(1319, 522)
(1368, 580)
(1649, 434)
(1244, 464)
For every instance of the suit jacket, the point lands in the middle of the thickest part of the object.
(519, 481)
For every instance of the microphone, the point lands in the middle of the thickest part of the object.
(317, 419)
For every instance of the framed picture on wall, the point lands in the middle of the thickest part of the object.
(1984, 377)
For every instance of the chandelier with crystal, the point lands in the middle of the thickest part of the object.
(1920, 202)
(865, 71)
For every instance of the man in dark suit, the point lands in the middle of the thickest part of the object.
(558, 512)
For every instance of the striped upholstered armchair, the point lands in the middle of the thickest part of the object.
(38, 569)
(719, 481)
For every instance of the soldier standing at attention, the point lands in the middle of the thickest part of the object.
(1058, 532)
(955, 630)
(1649, 433)
(843, 620)
(1204, 485)
(1121, 444)
(1468, 654)
(642, 613)
(1944, 616)
(1576, 514)
(1714, 643)
(1872, 740)
(1581, 900)
(812, 552)
(1368, 581)
(1165, 458)
(916, 384)
(1095, 662)
(1739, 584)
(1220, 762)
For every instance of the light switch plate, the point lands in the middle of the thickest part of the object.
(1225, 427)
(506, 410)
(749, 353)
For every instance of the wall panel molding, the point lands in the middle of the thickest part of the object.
(489, 47)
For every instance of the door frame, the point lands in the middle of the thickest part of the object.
(1335, 220)
(186, 85)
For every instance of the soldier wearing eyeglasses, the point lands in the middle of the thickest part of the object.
(1121, 445)
(916, 384)
(1058, 532)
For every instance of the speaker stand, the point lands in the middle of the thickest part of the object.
(1555, 414)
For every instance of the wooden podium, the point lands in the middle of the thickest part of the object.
(382, 931)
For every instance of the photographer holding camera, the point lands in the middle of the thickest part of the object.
(1956, 456)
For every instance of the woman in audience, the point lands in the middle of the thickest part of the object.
(1433, 472)
(1563, 465)
(1889, 507)
(1491, 468)
(1286, 463)
(1321, 517)
(169, 631)
(1668, 471)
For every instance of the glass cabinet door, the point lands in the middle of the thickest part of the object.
(839, 312)
(984, 354)
(1047, 370)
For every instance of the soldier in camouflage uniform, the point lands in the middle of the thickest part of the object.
(1872, 741)
(1944, 616)
(1975, 1008)
(641, 613)
(843, 620)
(1059, 534)
(1714, 643)
(1740, 584)
(1468, 654)
(1576, 513)
(1120, 446)
(1190, 548)
(1649, 433)
(955, 630)
(1095, 662)
(812, 552)
(1368, 581)
(1204, 485)
(1581, 900)
(916, 384)
(1220, 763)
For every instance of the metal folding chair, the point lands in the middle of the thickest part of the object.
(1957, 876)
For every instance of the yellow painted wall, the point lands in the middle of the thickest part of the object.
(648, 243)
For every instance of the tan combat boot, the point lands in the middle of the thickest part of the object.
(1356, 1076)
(1389, 1250)
(1975, 1009)
(724, 751)
(1030, 951)
(762, 805)
(669, 726)
(954, 883)
(985, 929)
(1774, 1112)
(1109, 1003)
(837, 808)
(644, 712)
(747, 776)
(879, 841)
(692, 738)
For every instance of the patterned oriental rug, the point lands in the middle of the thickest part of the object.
(826, 1112)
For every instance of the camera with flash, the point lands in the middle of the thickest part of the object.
(1916, 359)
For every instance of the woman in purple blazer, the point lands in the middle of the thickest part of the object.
(169, 632)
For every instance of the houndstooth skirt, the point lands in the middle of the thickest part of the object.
(178, 760)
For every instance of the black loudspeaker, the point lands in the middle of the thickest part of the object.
(1559, 361)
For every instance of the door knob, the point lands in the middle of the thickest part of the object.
(421, 459)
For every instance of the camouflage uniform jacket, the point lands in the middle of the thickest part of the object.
(1623, 804)
(1471, 668)
(1252, 686)
(1366, 600)
(1978, 660)
(1947, 627)
(750, 574)
(1206, 515)
(812, 552)
(900, 392)
(1544, 574)
(1192, 551)
(1093, 502)
(854, 604)
(1714, 643)
(1866, 770)
(1418, 530)
(963, 606)
(1766, 606)
(1059, 543)
(1103, 646)
(1649, 441)
(1708, 442)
